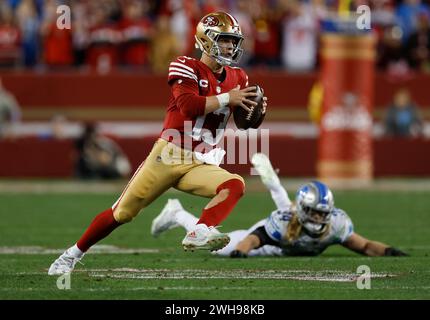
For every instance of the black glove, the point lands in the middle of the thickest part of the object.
(238, 254)
(393, 252)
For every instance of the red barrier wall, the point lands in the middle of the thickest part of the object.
(32, 157)
(133, 90)
(147, 90)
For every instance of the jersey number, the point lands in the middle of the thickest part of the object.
(206, 135)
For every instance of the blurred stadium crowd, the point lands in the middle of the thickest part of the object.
(147, 34)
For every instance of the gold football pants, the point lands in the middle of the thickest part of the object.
(168, 166)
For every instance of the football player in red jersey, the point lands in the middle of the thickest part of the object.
(203, 94)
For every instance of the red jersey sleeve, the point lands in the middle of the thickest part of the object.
(182, 68)
(188, 100)
(184, 82)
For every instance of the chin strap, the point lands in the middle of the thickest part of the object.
(221, 61)
(314, 234)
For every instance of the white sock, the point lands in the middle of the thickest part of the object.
(76, 252)
(280, 197)
(186, 220)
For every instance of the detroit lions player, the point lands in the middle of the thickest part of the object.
(305, 228)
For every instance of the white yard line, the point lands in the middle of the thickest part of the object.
(304, 275)
(180, 274)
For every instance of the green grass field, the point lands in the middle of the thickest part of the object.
(32, 224)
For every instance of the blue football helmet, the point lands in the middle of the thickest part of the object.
(314, 203)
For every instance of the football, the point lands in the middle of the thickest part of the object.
(245, 120)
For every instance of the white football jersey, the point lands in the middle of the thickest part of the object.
(340, 229)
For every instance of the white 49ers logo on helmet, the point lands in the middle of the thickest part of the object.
(211, 21)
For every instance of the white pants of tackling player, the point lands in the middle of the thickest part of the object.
(282, 201)
(239, 235)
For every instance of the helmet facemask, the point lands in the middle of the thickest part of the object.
(216, 51)
(314, 226)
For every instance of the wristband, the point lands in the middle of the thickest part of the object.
(223, 99)
(238, 254)
(394, 252)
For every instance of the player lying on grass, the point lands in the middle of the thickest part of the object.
(305, 228)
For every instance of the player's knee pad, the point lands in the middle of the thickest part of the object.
(235, 186)
(122, 215)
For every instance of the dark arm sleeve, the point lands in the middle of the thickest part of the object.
(261, 233)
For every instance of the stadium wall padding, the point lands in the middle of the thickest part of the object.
(32, 157)
(129, 90)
